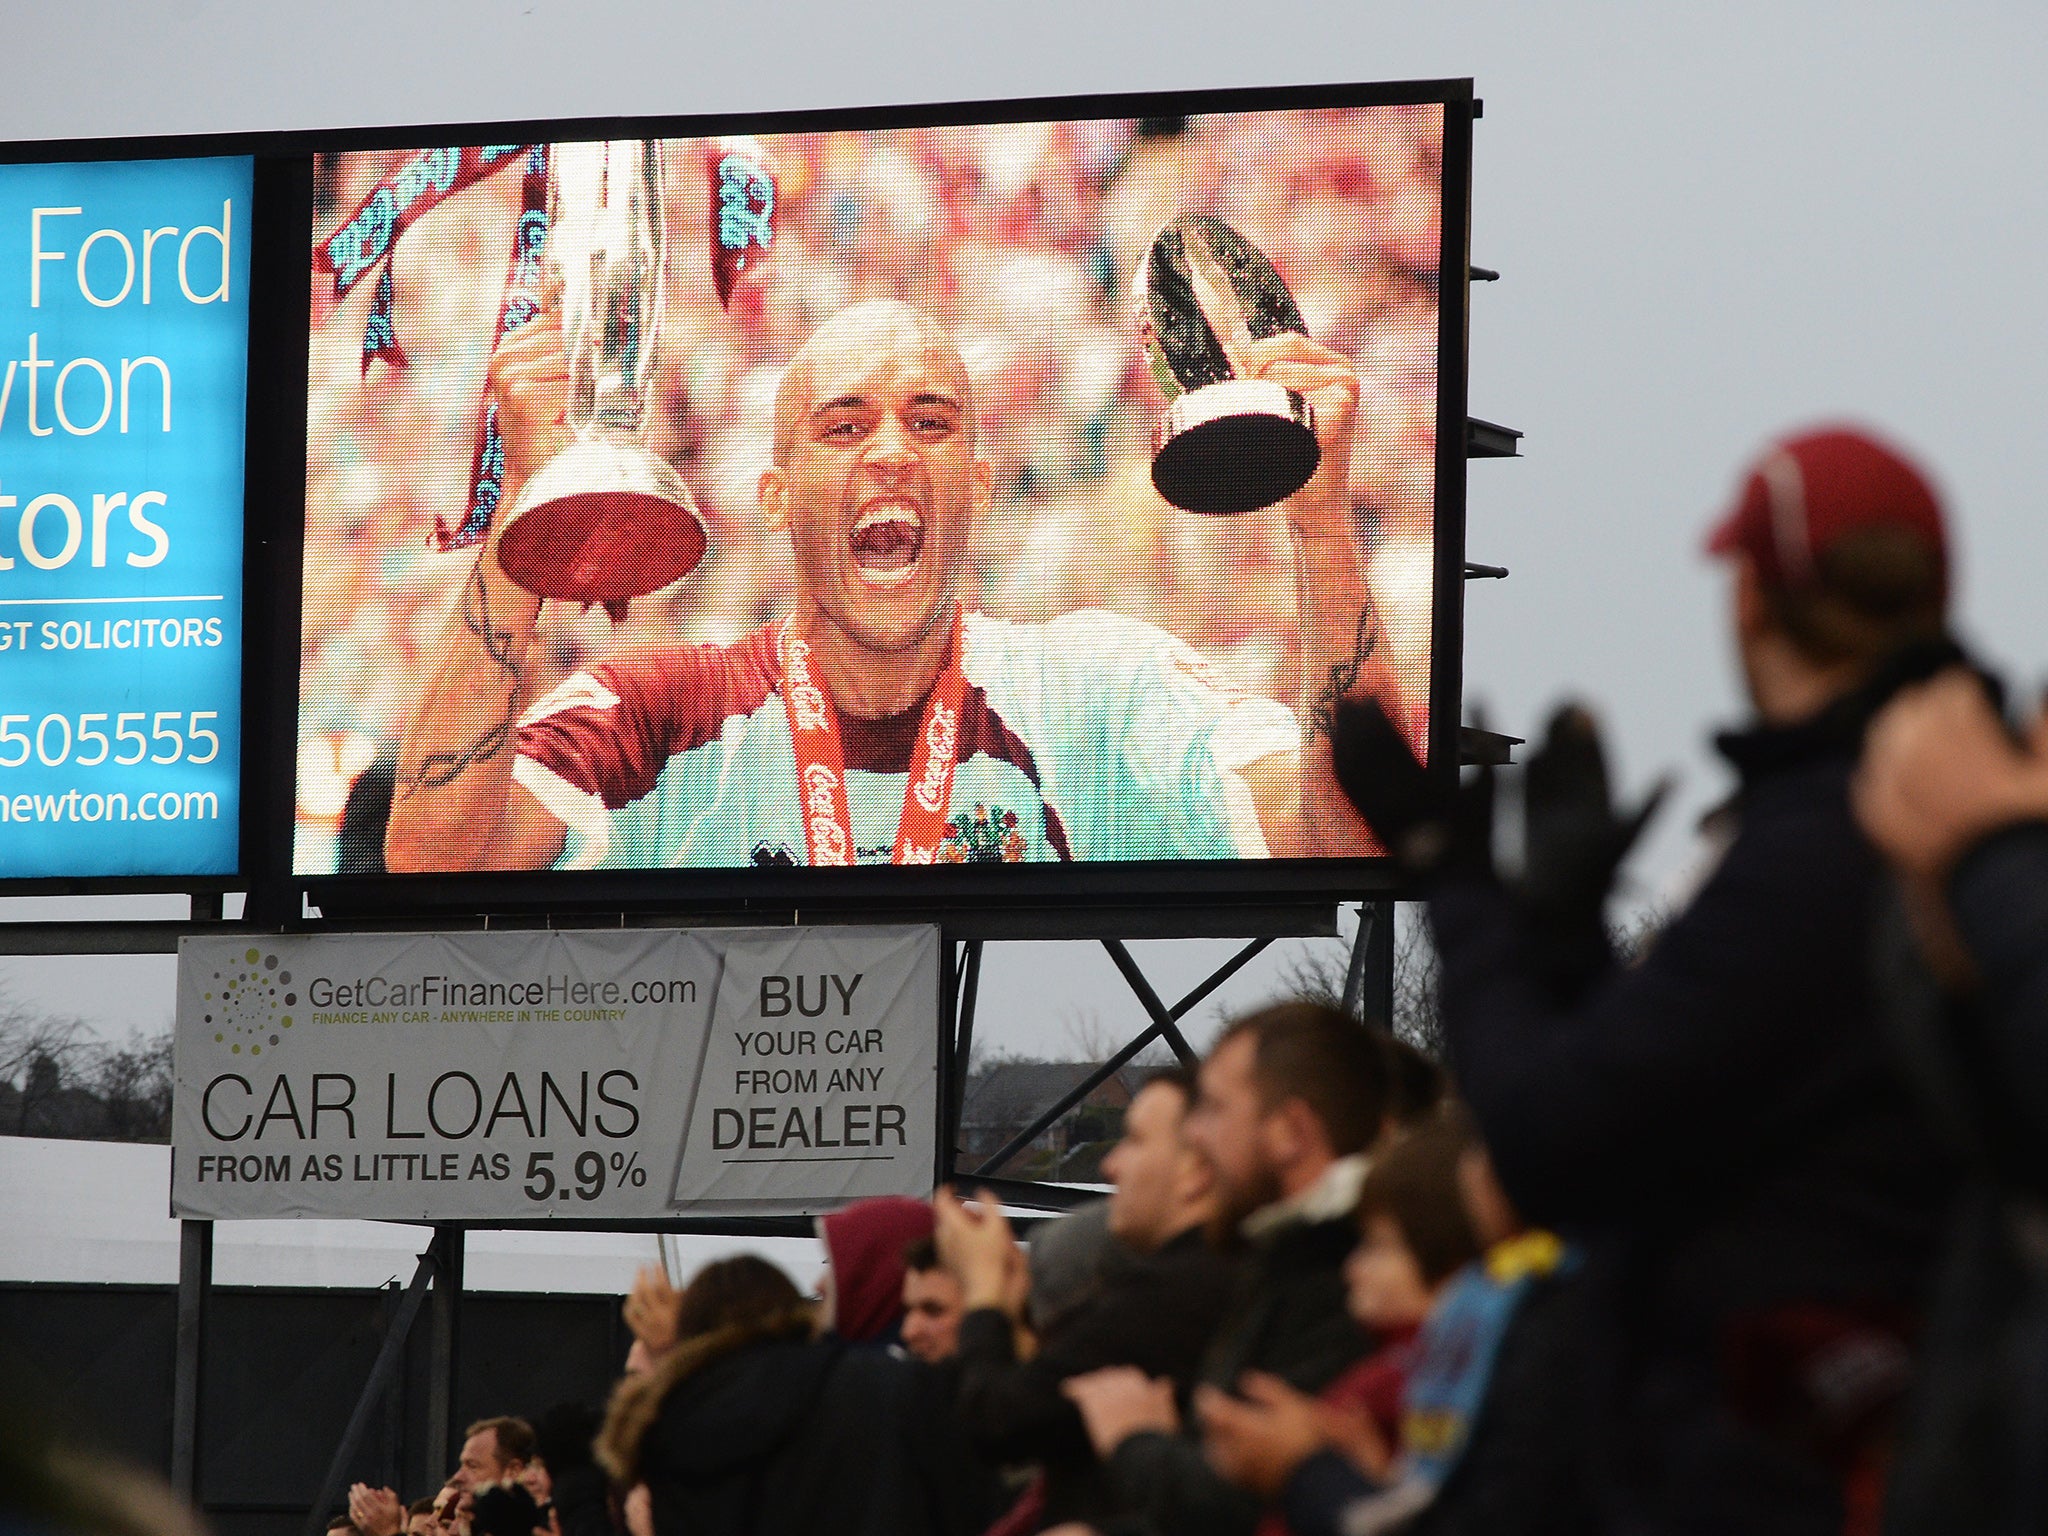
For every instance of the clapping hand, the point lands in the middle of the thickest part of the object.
(651, 1310)
(375, 1511)
(976, 1243)
(1257, 1440)
(1120, 1401)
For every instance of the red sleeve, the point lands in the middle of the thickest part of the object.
(610, 730)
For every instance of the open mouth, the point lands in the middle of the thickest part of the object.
(886, 541)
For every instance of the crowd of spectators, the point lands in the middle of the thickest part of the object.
(1746, 1232)
(1743, 1233)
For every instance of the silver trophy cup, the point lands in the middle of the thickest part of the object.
(606, 519)
(1227, 443)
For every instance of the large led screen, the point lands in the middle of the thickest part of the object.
(1012, 493)
(124, 332)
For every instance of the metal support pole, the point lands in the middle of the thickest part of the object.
(945, 1150)
(195, 1285)
(963, 1049)
(382, 1374)
(1354, 972)
(1369, 980)
(442, 1429)
(391, 1447)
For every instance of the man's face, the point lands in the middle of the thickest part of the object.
(536, 1480)
(931, 1314)
(481, 1462)
(422, 1525)
(1228, 1125)
(1148, 1168)
(881, 488)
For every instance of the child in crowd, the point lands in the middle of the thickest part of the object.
(1492, 1415)
(1414, 1237)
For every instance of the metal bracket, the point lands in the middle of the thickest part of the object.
(1490, 440)
(1477, 748)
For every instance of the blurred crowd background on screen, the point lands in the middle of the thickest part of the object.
(1023, 238)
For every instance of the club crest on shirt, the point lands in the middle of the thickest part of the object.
(988, 836)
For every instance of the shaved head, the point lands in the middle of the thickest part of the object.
(877, 483)
(870, 329)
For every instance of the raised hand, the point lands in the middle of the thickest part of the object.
(1120, 1401)
(650, 1311)
(375, 1511)
(1257, 1439)
(528, 380)
(1329, 382)
(975, 1242)
(1940, 771)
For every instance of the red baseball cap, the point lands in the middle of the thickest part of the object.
(1808, 490)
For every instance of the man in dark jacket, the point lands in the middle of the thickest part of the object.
(1960, 807)
(1720, 1121)
(1159, 1293)
(1290, 1101)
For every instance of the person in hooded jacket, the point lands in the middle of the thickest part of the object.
(864, 1265)
(763, 1426)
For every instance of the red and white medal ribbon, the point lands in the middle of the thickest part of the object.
(821, 758)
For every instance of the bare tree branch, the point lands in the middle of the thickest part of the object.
(55, 1080)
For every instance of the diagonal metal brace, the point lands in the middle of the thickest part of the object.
(381, 1373)
(1165, 1022)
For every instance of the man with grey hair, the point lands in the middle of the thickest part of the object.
(884, 720)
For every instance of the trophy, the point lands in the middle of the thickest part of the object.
(605, 519)
(1227, 443)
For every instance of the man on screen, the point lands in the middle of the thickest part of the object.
(884, 720)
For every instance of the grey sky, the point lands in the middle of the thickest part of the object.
(1712, 223)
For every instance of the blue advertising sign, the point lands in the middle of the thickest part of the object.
(124, 289)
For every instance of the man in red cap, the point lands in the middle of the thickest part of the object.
(1719, 1122)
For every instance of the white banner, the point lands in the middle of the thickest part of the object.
(552, 1075)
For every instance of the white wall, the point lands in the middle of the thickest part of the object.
(97, 1212)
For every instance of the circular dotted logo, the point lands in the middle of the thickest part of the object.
(248, 1006)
